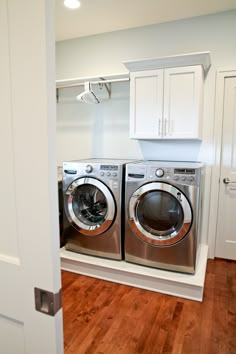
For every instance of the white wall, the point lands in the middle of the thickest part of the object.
(102, 130)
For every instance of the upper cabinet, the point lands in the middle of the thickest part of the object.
(166, 98)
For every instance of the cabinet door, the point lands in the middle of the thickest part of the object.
(183, 102)
(146, 104)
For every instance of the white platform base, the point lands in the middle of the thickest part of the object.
(166, 282)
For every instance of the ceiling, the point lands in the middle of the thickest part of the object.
(100, 16)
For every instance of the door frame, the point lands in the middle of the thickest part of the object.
(221, 75)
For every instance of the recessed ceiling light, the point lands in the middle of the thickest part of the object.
(72, 4)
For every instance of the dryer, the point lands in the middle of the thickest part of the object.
(93, 206)
(162, 223)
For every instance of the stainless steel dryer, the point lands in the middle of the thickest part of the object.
(162, 202)
(93, 197)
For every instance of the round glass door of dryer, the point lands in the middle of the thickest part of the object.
(90, 206)
(160, 214)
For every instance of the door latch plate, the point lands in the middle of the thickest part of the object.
(47, 302)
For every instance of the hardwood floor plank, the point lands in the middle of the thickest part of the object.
(158, 320)
(102, 317)
(232, 323)
(126, 315)
(108, 320)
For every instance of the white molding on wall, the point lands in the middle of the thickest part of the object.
(201, 58)
(177, 284)
(221, 75)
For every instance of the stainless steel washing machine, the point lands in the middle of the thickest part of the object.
(162, 223)
(93, 206)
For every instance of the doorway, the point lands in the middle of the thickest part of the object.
(226, 222)
(222, 240)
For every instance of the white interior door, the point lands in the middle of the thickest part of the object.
(226, 234)
(29, 238)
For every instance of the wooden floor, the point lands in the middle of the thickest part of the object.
(106, 318)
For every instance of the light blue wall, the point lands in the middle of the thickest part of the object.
(104, 53)
(103, 130)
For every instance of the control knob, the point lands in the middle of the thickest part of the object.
(88, 169)
(159, 172)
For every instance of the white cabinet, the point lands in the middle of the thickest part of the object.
(146, 104)
(166, 103)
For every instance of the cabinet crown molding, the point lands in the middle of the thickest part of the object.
(200, 58)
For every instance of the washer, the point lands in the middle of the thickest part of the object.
(93, 203)
(162, 222)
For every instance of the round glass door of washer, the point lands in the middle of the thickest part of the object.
(90, 206)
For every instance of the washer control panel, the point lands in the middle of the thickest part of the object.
(88, 169)
(109, 170)
(103, 171)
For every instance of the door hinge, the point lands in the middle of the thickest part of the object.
(47, 302)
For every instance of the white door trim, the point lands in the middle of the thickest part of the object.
(221, 75)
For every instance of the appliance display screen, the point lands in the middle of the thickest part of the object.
(135, 175)
(109, 167)
(184, 171)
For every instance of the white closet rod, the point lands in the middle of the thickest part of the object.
(93, 82)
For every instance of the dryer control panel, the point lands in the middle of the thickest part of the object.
(158, 172)
(171, 174)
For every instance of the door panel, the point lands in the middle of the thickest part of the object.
(9, 329)
(29, 241)
(226, 226)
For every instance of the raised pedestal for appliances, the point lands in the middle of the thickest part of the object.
(178, 284)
